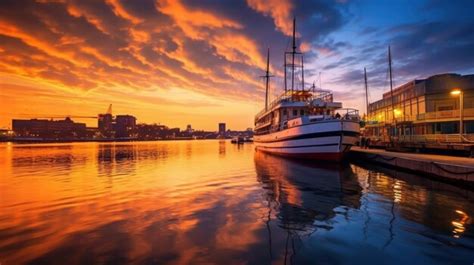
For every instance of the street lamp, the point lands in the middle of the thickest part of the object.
(459, 92)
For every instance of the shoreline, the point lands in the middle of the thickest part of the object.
(101, 140)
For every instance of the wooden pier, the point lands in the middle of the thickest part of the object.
(450, 168)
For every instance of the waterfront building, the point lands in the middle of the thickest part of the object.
(105, 123)
(189, 129)
(151, 131)
(6, 134)
(424, 110)
(125, 126)
(49, 129)
(222, 129)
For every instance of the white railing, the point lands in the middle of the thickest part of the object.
(308, 96)
(429, 138)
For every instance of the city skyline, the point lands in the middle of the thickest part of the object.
(181, 62)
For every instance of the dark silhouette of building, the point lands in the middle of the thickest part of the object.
(106, 125)
(222, 128)
(151, 131)
(125, 126)
(49, 129)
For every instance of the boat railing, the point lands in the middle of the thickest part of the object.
(349, 114)
(324, 95)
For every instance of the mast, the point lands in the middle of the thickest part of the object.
(284, 65)
(302, 74)
(267, 79)
(293, 57)
(391, 84)
(366, 92)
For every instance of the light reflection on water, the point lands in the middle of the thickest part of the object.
(213, 202)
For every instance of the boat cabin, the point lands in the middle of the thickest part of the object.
(297, 108)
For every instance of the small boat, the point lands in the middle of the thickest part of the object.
(248, 139)
(237, 140)
(304, 122)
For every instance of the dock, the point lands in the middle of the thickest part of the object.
(449, 168)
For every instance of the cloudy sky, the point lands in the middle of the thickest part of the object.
(179, 62)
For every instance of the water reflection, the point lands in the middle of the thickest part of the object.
(117, 158)
(304, 197)
(420, 200)
(305, 192)
(222, 146)
(211, 202)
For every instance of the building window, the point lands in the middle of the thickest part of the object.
(301, 112)
(295, 112)
(443, 108)
(284, 112)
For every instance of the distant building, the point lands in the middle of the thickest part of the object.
(173, 132)
(221, 128)
(49, 129)
(151, 131)
(189, 129)
(106, 125)
(422, 108)
(125, 126)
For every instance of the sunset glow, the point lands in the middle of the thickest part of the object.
(182, 62)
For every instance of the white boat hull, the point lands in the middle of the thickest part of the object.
(327, 140)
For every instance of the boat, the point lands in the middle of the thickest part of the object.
(304, 122)
(237, 140)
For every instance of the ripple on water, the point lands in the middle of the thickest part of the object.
(213, 202)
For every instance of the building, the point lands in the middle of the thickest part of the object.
(189, 129)
(105, 123)
(151, 131)
(422, 110)
(49, 129)
(221, 128)
(125, 126)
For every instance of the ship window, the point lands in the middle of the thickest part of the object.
(301, 112)
(295, 112)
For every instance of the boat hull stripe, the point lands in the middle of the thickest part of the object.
(299, 146)
(314, 135)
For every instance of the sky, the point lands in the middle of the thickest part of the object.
(179, 62)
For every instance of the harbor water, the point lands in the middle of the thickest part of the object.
(213, 202)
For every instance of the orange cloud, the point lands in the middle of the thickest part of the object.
(120, 11)
(82, 52)
(190, 21)
(279, 10)
(15, 32)
(239, 48)
(93, 20)
(305, 46)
